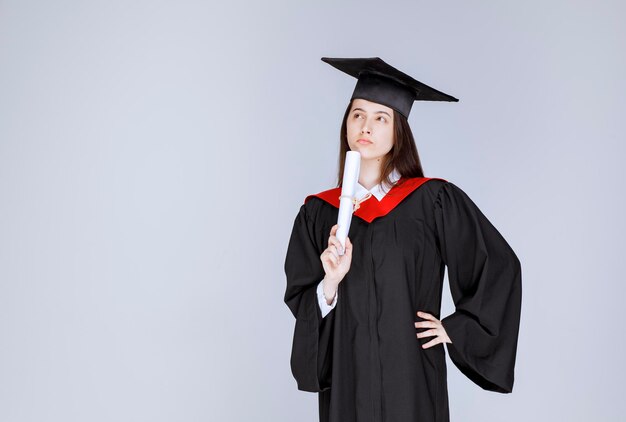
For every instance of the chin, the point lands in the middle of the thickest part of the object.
(359, 148)
(367, 156)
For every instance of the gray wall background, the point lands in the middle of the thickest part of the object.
(153, 156)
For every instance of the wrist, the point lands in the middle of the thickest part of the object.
(329, 291)
(328, 281)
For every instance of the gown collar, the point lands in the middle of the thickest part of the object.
(379, 204)
(378, 191)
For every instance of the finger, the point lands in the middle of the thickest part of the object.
(324, 258)
(431, 343)
(426, 324)
(337, 245)
(333, 258)
(426, 315)
(428, 333)
(332, 248)
(329, 257)
(348, 250)
(333, 252)
(333, 240)
(333, 229)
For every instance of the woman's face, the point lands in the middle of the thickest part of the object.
(370, 129)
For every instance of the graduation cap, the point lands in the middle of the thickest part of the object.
(382, 83)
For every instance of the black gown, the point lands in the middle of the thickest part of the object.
(364, 358)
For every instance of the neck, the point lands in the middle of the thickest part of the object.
(369, 175)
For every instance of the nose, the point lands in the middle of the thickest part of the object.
(365, 129)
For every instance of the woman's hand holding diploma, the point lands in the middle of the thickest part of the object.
(336, 266)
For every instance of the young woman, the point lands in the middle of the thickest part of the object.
(368, 335)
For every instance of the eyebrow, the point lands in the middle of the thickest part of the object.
(379, 111)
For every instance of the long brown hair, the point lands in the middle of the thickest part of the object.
(403, 155)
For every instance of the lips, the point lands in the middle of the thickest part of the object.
(364, 141)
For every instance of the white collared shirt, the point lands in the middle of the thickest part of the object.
(360, 193)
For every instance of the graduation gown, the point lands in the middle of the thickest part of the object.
(364, 359)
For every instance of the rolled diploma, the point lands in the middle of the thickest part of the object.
(351, 170)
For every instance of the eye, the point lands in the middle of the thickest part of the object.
(381, 118)
(357, 115)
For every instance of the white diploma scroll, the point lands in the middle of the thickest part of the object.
(351, 170)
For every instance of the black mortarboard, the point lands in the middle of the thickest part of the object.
(384, 84)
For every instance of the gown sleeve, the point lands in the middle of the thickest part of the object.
(311, 353)
(486, 287)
